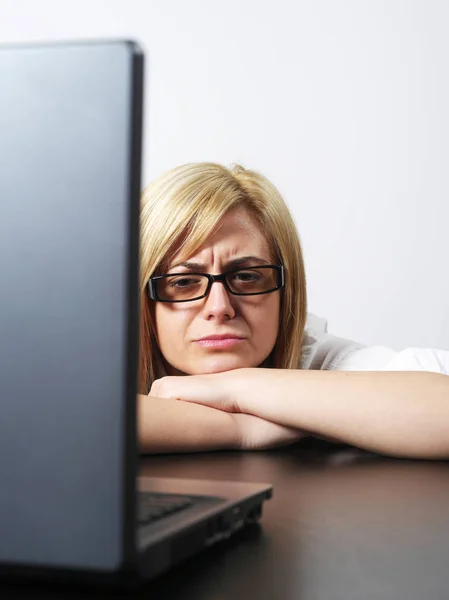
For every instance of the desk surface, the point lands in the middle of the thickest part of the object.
(342, 524)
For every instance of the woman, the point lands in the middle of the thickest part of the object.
(223, 301)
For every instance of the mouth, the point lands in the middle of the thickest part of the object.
(220, 341)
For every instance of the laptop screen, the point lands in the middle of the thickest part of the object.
(69, 190)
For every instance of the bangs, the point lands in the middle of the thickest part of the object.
(200, 221)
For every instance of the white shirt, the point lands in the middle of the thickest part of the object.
(324, 351)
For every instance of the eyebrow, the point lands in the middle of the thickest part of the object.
(235, 262)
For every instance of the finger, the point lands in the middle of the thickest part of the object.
(170, 387)
(199, 389)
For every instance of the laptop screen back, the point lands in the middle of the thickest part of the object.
(69, 193)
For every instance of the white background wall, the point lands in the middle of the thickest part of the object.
(343, 104)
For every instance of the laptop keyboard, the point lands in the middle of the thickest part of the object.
(152, 506)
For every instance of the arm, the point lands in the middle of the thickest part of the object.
(397, 413)
(166, 425)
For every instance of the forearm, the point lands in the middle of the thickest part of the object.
(396, 413)
(166, 425)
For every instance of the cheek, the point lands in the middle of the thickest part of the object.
(273, 318)
(170, 325)
(265, 321)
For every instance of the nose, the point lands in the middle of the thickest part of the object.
(218, 303)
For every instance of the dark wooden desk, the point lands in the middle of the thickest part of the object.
(341, 525)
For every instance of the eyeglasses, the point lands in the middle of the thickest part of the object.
(186, 287)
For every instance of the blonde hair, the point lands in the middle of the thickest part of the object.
(181, 209)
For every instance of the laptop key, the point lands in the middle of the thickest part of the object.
(152, 506)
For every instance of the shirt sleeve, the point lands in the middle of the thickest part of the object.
(324, 351)
(382, 358)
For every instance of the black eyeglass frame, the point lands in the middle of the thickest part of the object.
(152, 282)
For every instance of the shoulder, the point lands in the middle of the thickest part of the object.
(322, 350)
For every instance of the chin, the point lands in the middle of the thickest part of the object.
(220, 365)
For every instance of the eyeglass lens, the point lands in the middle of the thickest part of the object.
(187, 286)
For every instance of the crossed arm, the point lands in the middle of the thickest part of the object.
(168, 425)
(398, 413)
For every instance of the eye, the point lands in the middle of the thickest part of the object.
(184, 282)
(247, 276)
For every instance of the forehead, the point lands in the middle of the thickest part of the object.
(236, 234)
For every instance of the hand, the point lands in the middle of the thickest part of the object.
(258, 434)
(225, 391)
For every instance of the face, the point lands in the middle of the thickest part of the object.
(221, 331)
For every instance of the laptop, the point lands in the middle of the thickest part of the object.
(71, 502)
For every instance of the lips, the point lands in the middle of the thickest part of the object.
(221, 336)
(220, 341)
